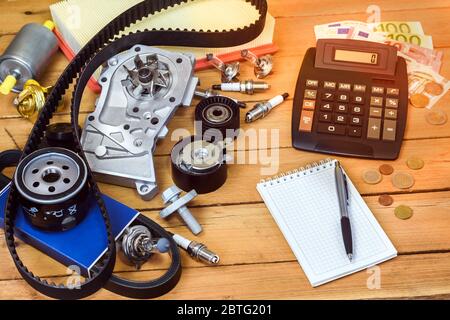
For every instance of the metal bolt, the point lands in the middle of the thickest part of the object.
(205, 93)
(113, 61)
(177, 204)
(138, 143)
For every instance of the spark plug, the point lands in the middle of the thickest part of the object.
(262, 109)
(196, 250)
(248, 87)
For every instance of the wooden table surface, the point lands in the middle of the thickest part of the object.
(256, 262)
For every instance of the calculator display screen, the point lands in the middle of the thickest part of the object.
(356, 56)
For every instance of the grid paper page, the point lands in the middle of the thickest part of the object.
(306, 208)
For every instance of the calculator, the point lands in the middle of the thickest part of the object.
(351, 99)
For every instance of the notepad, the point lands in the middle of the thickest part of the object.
(305, 206)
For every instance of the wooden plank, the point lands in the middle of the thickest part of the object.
(240, 186)
(242, 178)
(20, 12)
(404, 276)
(292, 44)
(417, 126)
(284, 80)
(227, 232)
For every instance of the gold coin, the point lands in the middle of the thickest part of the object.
(436, 117)
(419, 100)
(385, 200)
(434, 88)
(372, 177)
(403, 180)
(386, 169)
(403, 212)
(415, 163)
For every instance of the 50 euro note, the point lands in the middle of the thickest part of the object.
(414, 53)
(426, 87)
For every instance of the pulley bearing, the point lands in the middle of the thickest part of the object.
(198, 165)
(53, 188)
(217, 118)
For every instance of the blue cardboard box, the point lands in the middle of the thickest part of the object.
(82, 245)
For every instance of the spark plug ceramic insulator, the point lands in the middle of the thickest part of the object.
(248, 87)
(196, 250)
(262, 109)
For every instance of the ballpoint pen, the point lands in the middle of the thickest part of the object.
(342, 193)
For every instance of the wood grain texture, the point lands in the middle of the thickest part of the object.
(256, 262)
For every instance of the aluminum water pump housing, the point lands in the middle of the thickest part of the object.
(141, 90)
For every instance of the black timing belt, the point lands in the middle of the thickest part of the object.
(99, 49)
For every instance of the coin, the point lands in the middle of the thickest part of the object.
(415, 163)
(385, 200)
(436, 117)
(372, 177)
(403, 180)
(434, 88)
(403, 212)
(419, 100)
(386, 169)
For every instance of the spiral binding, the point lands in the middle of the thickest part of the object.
(308, 168)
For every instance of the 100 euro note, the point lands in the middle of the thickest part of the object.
(397, 27)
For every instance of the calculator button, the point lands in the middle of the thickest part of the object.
(393, 92)
(358, 99)
(312, 83)
(341, 119)
(342, 108)
(311, 94)
(377, 90)
(331, 129)
(309, 104)
(345, 86)
(329, 85)
(343, 97)
(357, 110)
(390, 114)
(325, 117)
(376, 101)
(376, 112)
(306, 120)
(326, 107)
(374, 129)
(328, 96)
(391, 103)
(355, 132)
(356, 121)
(389, 130)
(359, 88)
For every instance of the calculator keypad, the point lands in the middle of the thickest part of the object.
(343, 109)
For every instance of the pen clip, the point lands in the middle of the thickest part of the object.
(346, 186)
